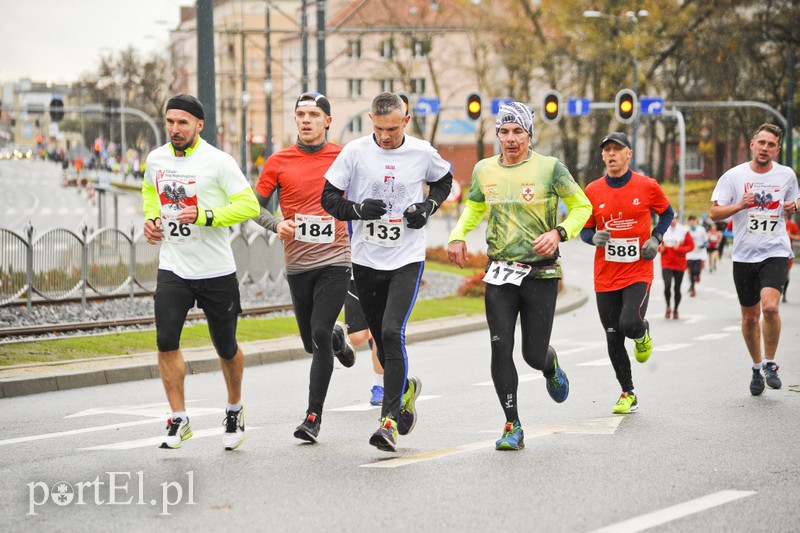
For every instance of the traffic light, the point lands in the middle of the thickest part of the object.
(551, 107)
(474, 106)
(56, 109)
(625, 106)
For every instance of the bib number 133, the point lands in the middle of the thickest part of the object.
(384, 232)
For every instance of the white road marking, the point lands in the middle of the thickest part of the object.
(587, 346)
(669, 347)
(657, 518)
(597, 426)
(596, 362)
(156, 441)
(732, 328)
(368, 407)
(711, 337)
(154, 410)
(522, 379)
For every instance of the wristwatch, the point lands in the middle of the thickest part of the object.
(562, 233)
(209, 217)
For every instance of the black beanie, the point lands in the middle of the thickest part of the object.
(188, 103)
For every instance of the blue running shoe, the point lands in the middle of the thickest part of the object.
(377, 395)
(513, 438)
(558, 385)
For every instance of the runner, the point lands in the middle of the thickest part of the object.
(384, 175)
(794, 235)
(696, 258)
(677, 243)
(358, 333)
(316, 248)
(623, 261)
(759, 196)
(521, 190)
(192, 193)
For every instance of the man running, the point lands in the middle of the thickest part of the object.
(384, 175)
(316, 248)
(623, 261)
(192, 193)
(759, 196)
(521, 189)
(677, 243)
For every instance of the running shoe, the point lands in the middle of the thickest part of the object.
(386, 437)
(342, 347)
(513, 437)
(308, 430)
(757, 383)
(557, 384)
(178, 430)
(377, 395)
(408, 412)
(668, 314)
(675, 315)
(771, 373)
(234, 429)
(627, 403)
(644, 347)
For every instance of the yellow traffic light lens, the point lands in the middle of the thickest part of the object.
(474, 107)
(626, 106)
(551, 107)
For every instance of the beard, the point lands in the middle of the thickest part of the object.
(184, 146)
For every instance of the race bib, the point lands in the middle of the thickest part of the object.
(314, 228)
(385, 232)
(502, 272)
(622, 250)
(172, 192)
(762, 223)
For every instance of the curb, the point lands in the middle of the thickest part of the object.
(23, 380)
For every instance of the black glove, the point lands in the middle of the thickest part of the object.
(417, 214)
(370, 209)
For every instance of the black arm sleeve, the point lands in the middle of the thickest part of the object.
(334, 202)
(266, 219)
(440, 190)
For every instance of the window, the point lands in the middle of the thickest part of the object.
(386, 49)
(354, 88)
(417, 85)
(694, 160)
(354, 126)
(387, 86)
(419, 49)
(354, 49)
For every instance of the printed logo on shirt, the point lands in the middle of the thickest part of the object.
(391, 192)
(527, 191)
(635, 201)
(619, 223)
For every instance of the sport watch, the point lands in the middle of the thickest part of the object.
(209, 217)
(562, 233)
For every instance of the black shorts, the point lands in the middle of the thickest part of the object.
(217, 297)
(353, 314)
(750, 278)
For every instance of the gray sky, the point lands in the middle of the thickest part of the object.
(57, 40)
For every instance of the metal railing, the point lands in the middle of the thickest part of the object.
(61, 264)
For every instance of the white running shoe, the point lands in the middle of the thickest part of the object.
(178, 430)
(234, 429)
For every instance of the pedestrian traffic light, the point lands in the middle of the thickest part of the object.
(404, 98)
(625, 106)
(56, 109)
(474, 106)
(551, 107)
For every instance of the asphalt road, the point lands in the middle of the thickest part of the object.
(701, 454)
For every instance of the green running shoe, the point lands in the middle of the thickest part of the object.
(644, 347)
(627, 403)
(513, 438)
(408, 412)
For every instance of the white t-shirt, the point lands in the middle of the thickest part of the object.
(207, 177)
(397, 177)
(700, 238)
(759, 232)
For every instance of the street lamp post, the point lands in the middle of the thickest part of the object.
(633, 18)
(245, 103)
(268, 89)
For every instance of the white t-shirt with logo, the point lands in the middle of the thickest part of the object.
(207, 177)
(397, 177)
(759, 232)
(700, 238)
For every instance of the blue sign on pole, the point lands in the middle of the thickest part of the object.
(497, 102)
(578, 107)
(652, 106)
(427, 106)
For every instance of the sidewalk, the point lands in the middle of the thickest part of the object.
(20, 380)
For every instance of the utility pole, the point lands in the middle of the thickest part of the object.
(789, 106)
(268, 89)
(245, 102)
(321, 80)
(304, 43)
(206, 74)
